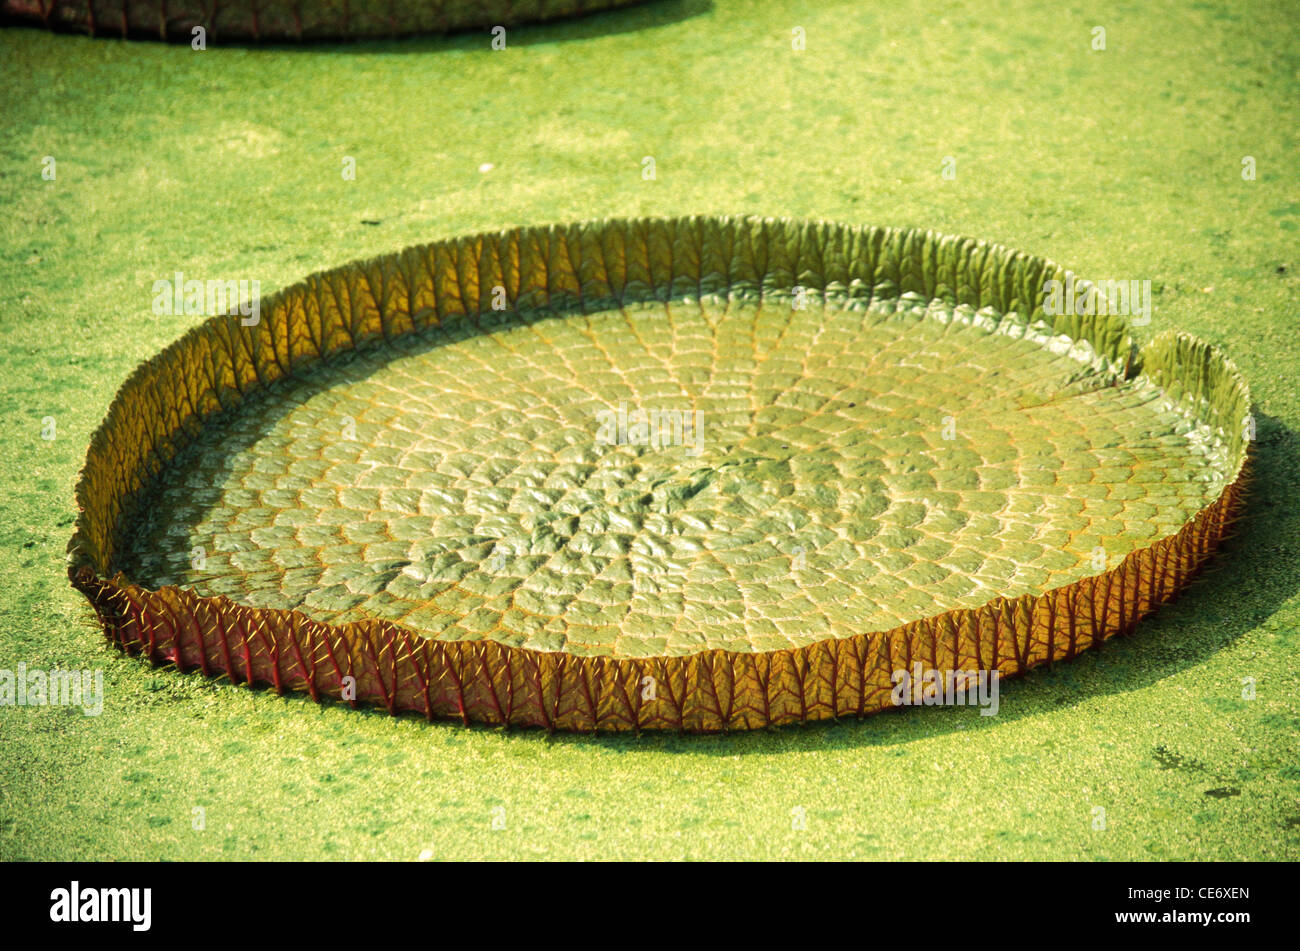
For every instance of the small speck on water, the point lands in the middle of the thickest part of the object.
(1224, 792)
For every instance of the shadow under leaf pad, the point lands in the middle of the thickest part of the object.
(695, 474)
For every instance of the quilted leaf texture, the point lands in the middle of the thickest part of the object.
(256, 20)
(892, 455)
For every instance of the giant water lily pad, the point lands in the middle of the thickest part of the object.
(697, 474)
(245, 20)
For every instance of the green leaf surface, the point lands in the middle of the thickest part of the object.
(655, 440)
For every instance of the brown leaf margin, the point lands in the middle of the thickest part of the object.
(589, 265)
(281, 20)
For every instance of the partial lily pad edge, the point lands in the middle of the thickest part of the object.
(282, 21)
